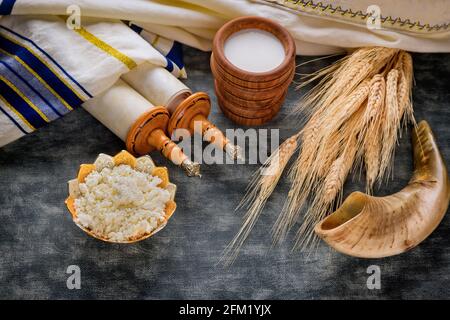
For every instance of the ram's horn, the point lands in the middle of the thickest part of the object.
(375, 227)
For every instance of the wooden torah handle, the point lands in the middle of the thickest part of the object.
(149, 133)
(173, 152)
(212, 134)
(192, 114)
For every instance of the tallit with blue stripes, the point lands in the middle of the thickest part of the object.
(43, 78)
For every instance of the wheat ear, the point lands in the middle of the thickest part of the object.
(373, 122)
(342, 77)
(262, 186)
(404, 90)
(390, 124)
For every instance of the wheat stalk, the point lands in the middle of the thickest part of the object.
(331, 155)
(345, 108)
(390, 124)
(262, 186)
(372, 121)
(338, 173)
(308, 136)
(404, 90)
(344, 76)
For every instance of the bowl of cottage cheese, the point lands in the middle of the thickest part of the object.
(121, 199)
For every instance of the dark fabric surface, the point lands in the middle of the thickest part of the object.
(38, 239)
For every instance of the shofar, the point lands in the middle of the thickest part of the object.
(188, 111)
(375, 227)
(139, 123)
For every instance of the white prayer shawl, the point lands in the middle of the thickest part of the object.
(47, 69)
(319, 27)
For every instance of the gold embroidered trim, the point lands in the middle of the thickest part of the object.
(129, 62)
(349, 14)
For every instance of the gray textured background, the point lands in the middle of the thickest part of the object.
(38, 240)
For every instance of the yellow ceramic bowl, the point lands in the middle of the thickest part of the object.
(124, 157)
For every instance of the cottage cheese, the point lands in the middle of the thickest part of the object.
(120, 203)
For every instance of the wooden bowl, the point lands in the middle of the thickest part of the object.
(251, 94)
(247, 106)
(251, 119)
(253, 22)
(221, 71)
(254, 89)
(251, 98)
(244, 112)
(243, 120)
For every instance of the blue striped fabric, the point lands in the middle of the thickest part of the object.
(176, 54)
(34, 88)
(41, 69)
(169, 65)
(21, 105)
(28, 91)
(24, 76)
(171, 50)
(135, 28)
(6, 7)
(61, 69)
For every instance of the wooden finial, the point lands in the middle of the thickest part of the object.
(148, 133)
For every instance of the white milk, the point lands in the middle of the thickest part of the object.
(254, 50)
